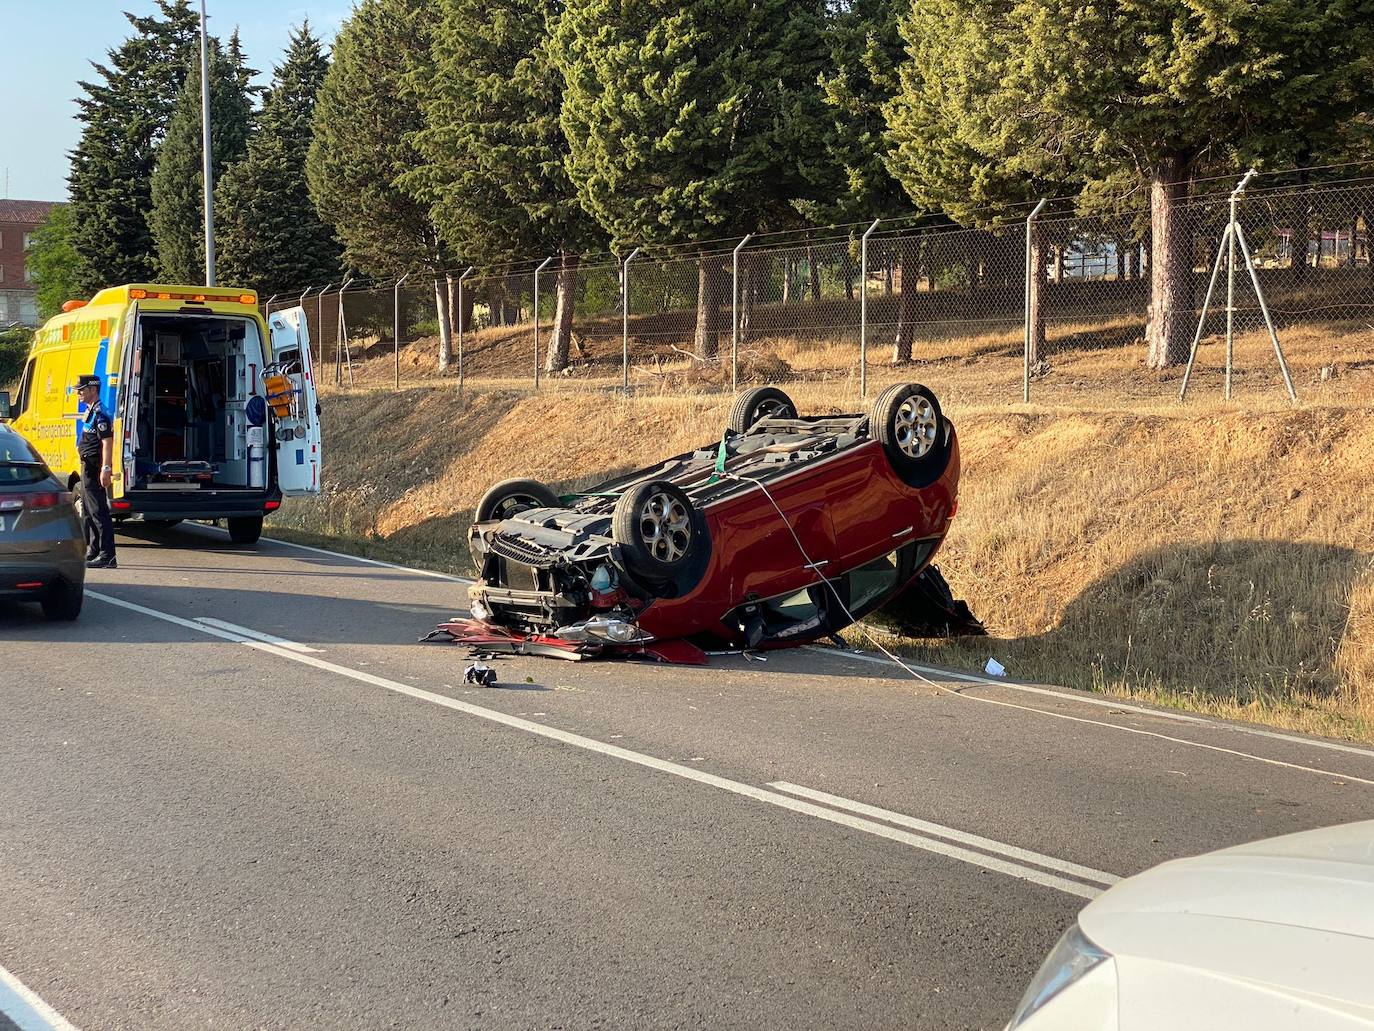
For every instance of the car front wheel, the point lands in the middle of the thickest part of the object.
(510, 497)
(655, 526)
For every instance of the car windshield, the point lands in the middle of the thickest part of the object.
(19, 462)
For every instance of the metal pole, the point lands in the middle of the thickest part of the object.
(319, 315)
(863, 309)
(1030, 329)
(734, 314)
(1231, 279)
(396, 326)
(625, 322)
(1202, 318)
(542, 266)
(208, 174)
(470, 270)
(340, 339)
(267, 308)
(1269, 322)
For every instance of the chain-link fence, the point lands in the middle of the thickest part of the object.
(1054, 306)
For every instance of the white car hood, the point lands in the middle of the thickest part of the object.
(1291, 917)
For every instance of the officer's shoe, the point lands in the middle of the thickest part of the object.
(100, 562)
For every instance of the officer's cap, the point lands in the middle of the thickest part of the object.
(87, 381)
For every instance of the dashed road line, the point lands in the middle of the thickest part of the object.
(999, 864)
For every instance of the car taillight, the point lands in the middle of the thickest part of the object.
(39, 501)
(121, 505)
(271, 506)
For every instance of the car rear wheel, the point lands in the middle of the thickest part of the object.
(62, 603)
(245, 529)
(510, 497)
(906, 419)
(760, 403)
(655, 526)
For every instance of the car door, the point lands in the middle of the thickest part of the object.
(125, 410)
(297, 429)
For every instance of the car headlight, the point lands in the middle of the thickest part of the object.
(1071, 958)
(616, 631)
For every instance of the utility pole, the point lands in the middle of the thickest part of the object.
(205, 151)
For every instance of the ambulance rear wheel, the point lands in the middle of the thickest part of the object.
(245, 529)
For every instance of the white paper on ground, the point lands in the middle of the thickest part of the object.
(995, 669)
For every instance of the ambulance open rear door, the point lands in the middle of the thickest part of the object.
(293, 406)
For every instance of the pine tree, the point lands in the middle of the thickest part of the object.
(269, 235)
(124, 115)
(176, 219)
(53, 263)
(365, 116)
(689, 121)
(494, 148)
(1145, 89)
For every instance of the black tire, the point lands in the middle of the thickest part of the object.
(760, 403)
(245, 529)
(160, 524)
(907, 421)
(512, 496)
(656, 528)
(62, 603)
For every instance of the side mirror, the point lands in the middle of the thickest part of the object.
(6, 411)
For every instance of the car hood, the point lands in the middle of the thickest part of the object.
(1294, 914)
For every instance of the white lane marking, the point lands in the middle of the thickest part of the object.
(1106, 703)
(258, 635)
(1003, 866)
(1025, 855)
(22, 1006)
(351, 558)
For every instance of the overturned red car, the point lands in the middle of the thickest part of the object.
(784, 531)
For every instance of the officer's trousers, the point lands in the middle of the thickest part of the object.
(96, 523)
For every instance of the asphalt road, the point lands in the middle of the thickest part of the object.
(238, 794)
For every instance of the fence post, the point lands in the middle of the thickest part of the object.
(542, 266)
(734, 314)
(468, 272)
(396, 326)
(319, 315)
(863, 310)
(1031, 300)
(625, 322)
(1231, 278)
(341, 339)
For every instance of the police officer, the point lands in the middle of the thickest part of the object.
(95, 447)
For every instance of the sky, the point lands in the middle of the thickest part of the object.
(46, 46)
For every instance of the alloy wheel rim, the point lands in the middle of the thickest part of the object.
(916, 426)
(666, 527)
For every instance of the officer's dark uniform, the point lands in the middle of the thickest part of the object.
(96, 523)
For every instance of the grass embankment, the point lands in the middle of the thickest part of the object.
(1214, 557)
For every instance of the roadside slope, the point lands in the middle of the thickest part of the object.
(1214, 558)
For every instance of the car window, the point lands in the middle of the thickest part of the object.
(21, 403)
(871, 581)
(19, 462)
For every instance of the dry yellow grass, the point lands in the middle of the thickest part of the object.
(1215, 556)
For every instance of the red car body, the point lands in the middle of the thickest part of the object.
(789, 529)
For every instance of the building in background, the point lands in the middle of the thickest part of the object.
(18, 297)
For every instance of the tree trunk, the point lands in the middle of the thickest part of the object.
(711, 280)
(441, 310)
(465, 309)
(566, 289)
(850, 269)
(1035, 313)
(1302, 231)
(887, 276)
(815, 273)
(910, 251)
(1167, 331)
